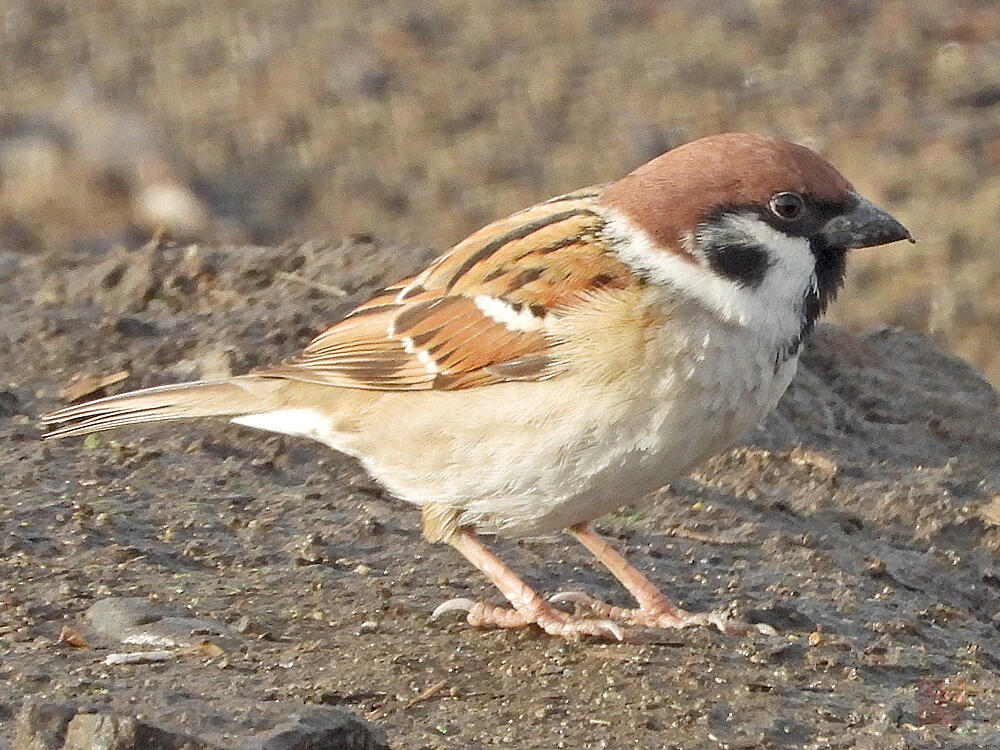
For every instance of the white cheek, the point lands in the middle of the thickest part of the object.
(774, 308)
(793, 268)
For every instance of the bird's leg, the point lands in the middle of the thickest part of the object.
(655, 610)
(528, 607)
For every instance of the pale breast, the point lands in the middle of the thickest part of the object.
(537, 457)
(704, 389)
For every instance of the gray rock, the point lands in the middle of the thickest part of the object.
(139, 622)
(322, 729)
(111, 617)
(60, 726)
(42, 726)
(107, 732)
(63, 726)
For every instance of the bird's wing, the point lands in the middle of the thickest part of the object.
(485, 312)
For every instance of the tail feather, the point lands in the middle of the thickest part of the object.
(231, 397)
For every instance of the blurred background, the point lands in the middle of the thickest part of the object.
(417, 121)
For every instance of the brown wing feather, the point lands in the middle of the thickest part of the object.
(479, 313)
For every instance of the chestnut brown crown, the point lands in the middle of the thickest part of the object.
(675, 192)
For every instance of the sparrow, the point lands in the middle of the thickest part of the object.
(566, 360)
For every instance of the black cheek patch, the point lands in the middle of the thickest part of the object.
(746, 263)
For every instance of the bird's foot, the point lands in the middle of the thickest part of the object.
(664, 617)
(551, 620)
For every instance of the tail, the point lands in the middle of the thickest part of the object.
(232, 397)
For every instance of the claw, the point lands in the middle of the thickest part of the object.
(614, 629)
(452, 605)
(554, 622)
(737, 627)
(641, 618)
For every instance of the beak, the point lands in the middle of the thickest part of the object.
(866, 225)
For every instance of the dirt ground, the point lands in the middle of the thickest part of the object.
(861, 523)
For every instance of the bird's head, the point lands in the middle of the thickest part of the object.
(756, 229)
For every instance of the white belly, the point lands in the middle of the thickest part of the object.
(531, 458)
(564, 451)
(620, 462)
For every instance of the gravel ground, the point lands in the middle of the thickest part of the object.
(862, 523)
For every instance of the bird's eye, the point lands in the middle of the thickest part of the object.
(787, 206)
